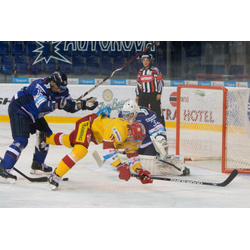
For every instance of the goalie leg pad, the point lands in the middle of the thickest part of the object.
(161, 146)
(178, 162)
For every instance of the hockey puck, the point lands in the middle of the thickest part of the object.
(65, 179)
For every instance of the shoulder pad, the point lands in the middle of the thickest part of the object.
(143, 111)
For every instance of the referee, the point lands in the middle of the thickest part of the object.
(149, 86)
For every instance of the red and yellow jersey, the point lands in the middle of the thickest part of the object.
(113, 133)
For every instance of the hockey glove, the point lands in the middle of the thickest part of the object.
(104, 112)
(124, 171)
(89, 103)
(144, 176)
(65, 104)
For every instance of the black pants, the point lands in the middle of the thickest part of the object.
(21, 125)
(150, 98)
(149, 150)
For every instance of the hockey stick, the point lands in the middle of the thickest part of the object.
(97, 158)
(222, 184)
(39, 179)
(234, 173)
(123, 66)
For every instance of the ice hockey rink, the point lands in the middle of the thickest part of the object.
(92, 187)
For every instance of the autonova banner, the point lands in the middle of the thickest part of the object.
(60, 48)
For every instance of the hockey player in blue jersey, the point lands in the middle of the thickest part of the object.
(155, 142)
(27, 110)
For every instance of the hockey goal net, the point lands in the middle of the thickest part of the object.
(213, 123)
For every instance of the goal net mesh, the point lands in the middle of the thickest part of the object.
(209, 130)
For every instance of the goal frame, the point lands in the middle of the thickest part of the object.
(224, 105)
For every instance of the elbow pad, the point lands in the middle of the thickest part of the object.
(48, 106)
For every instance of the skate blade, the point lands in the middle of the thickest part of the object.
(7, 180)
(52, 187)
(39, 172)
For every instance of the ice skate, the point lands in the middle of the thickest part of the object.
(54, 181)
(38, 168)
(41, 140)
(6, 176)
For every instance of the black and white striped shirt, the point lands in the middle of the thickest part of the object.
(149, 81)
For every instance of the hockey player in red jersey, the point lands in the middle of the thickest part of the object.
(114, 134)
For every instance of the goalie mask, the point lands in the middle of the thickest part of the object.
(138, 131)
(130, 110)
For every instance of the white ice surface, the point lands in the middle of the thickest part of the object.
(92, 187)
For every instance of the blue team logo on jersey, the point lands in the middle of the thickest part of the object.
(44, 47)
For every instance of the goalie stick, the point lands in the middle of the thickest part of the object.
(222, 184)
(123, 66)
(38, 179)
(234, 173)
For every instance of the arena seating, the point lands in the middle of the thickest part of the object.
(17, 57)
(78, 65)
(92, 65)
(17, 48)
(34, 69)
(6, 65)
(21, 65)
(106, 66)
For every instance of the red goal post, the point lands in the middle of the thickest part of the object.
(209, 125)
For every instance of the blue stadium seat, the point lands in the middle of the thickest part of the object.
(114, 53)
(219, 69)
(117, 63)
(21, 65)
(161, 64)
(92, 65)
(125, 53)
(29, 47)
(36, 68)
(215, 69)
(236, 70)
(106, 66)
(64, 67)
(77, 65)
(50, 67)
(134, 68)
(17, 48)
(6, 65)
(4, 48)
